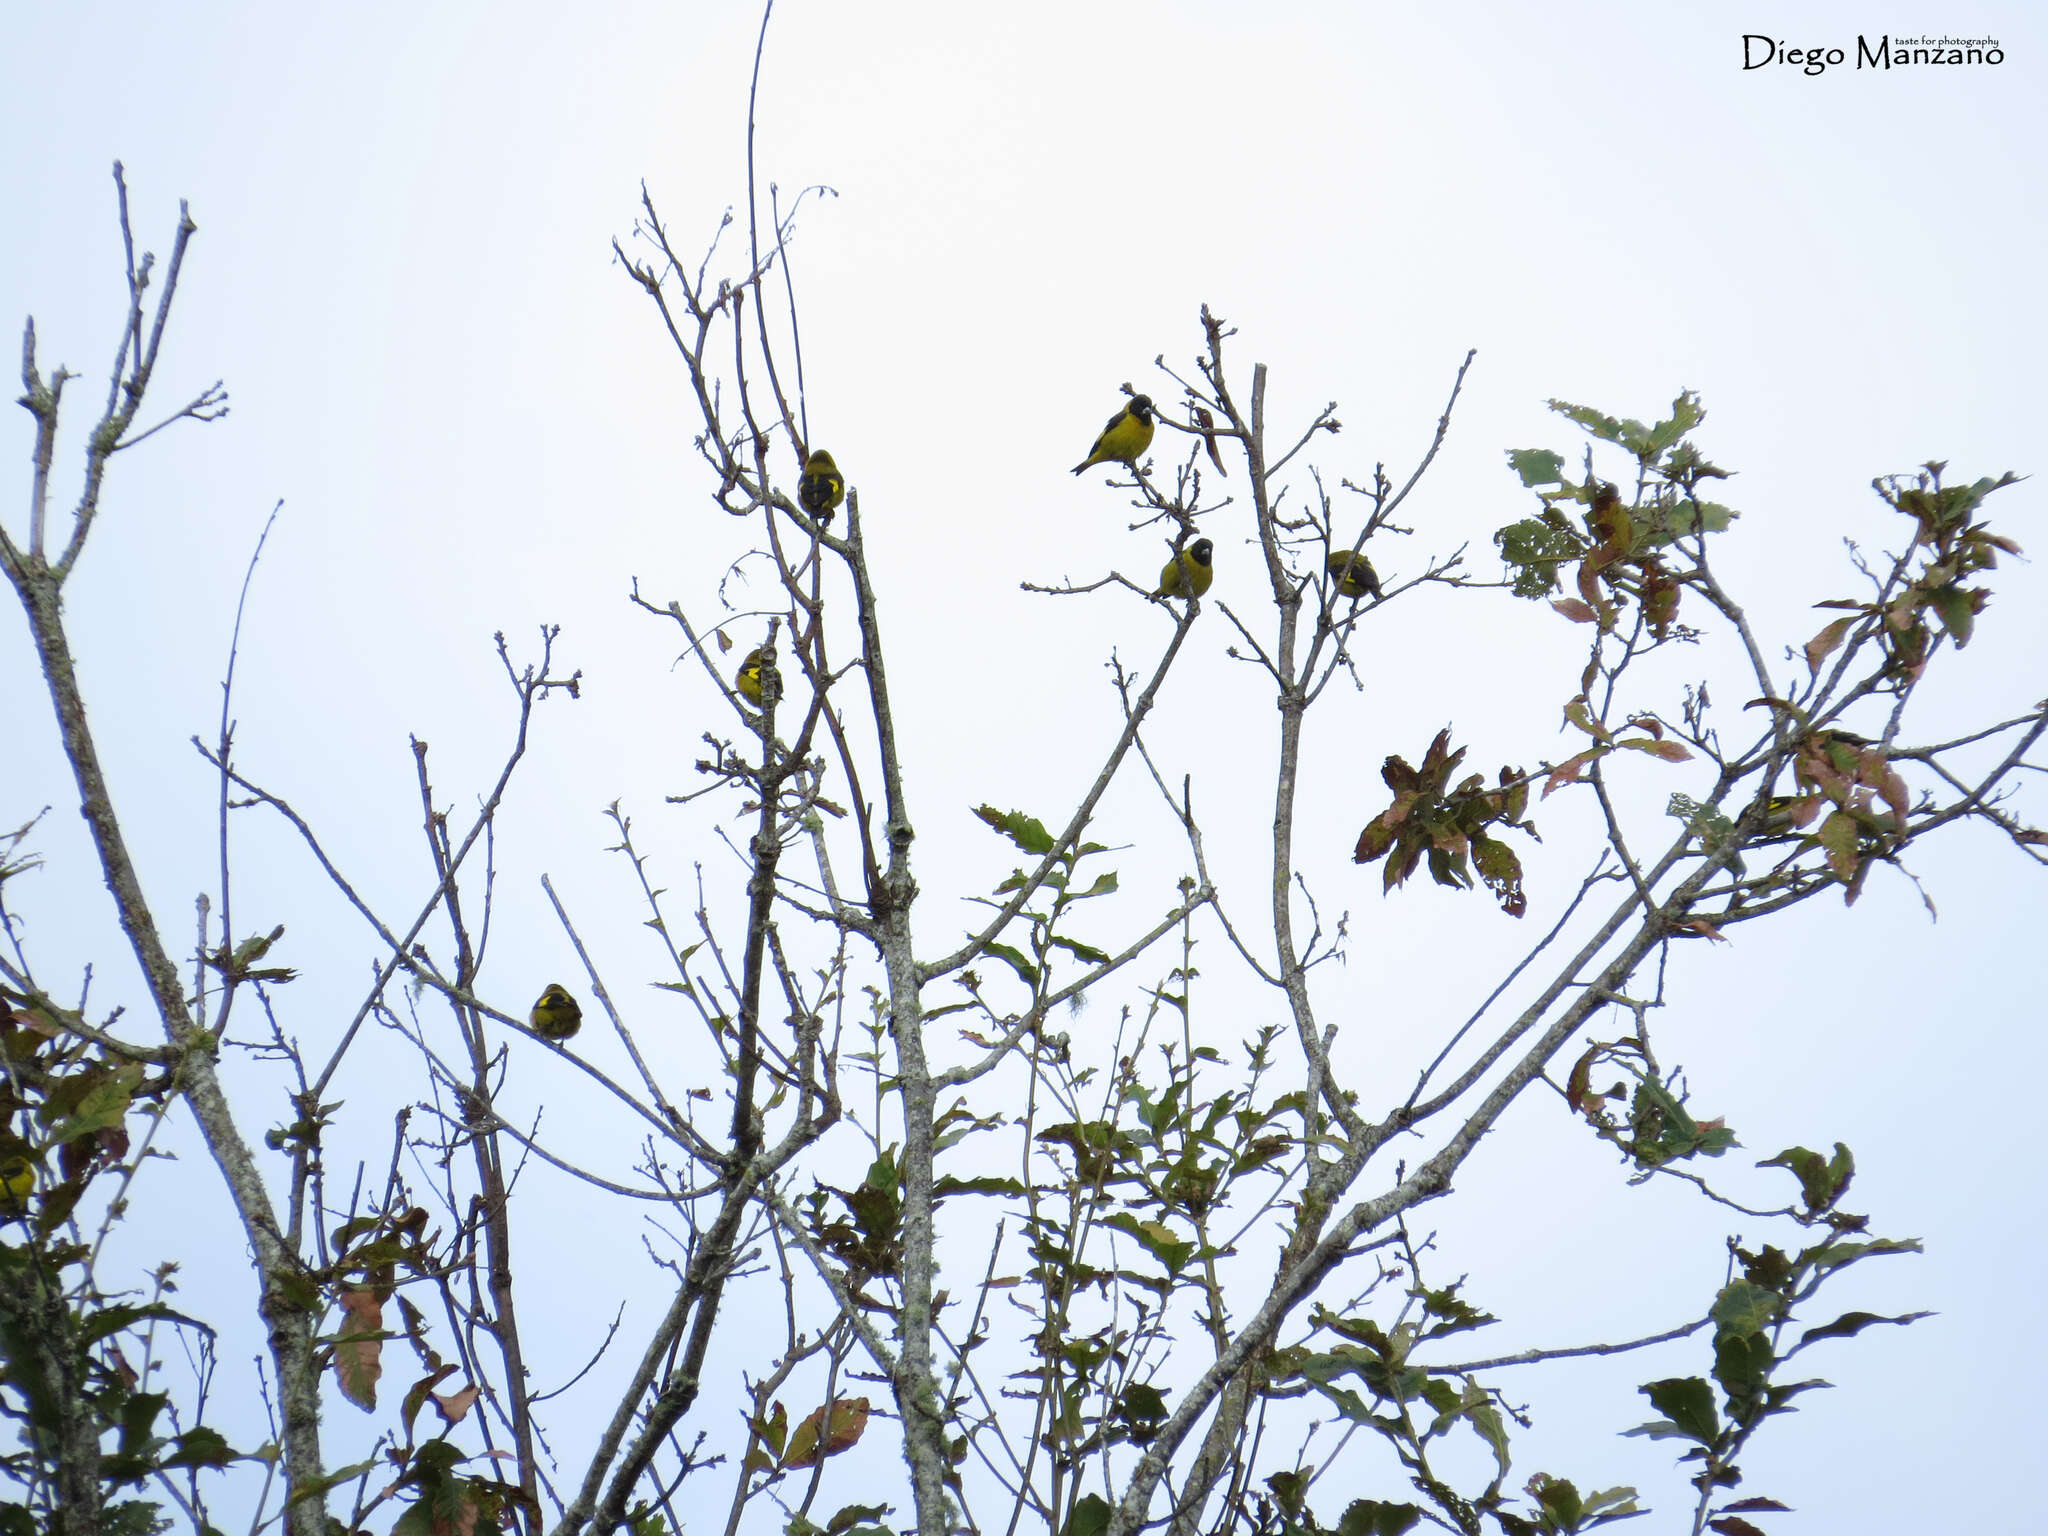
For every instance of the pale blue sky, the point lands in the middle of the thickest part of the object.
(403, 274)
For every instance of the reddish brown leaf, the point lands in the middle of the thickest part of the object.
(1576, 611)
(1667, 751)
(1209, 438)
(848, 1421)
(417, 1394)
(1578, 1087)
(1782, 706)
(1823, 644)
(1611, 525)
(1589, 582)
(1568, 771)
(1893, 788)
(358, 1352)
(1660, 600)
(455, 1404)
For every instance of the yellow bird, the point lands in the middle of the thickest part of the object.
(748, 679)
(556, 1016)
(17, 1182)
(1353, 574)
(822, 487)
(1188, 573)
(1125, 438)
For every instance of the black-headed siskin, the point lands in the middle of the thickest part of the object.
(1353, 574)
(822, 487)
(1125, 438)
(556, 1016)
(1188, 573)
(17, 1182)
(748, 679)
(1782, 812)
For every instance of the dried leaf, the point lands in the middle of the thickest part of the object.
(1568, 771)
(1666, 751)
(456, 1404)
(848, 1421)
(358, 1352)
(1209, 438)
(1823, 644)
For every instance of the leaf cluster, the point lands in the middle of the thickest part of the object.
(93, 1430)
(1622, 548)
(1430, 819)
(1752, 1315)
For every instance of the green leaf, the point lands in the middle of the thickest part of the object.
(1612, 1503)
(1486, 1419)
(1027, 832)
(1822, 1181)
(1457, 1315)
(1537, 466)
(1835, 1255)
(855, 1514)
(1958, 609)
(201, 1447)
(1534, 550)
(1599, 424)
(1688, 1402)
(103, 1106)
(1014, 958)
(1837, 836)
(1371, 1517)
(111, 1320)
(1080, 951)
(1559, 1499)
(986, 1184)
(1742, 1364)
(1157, 1239)
(1685, 415)
(314, 1487)
(1745, 1308)
(1849, 1324)
(1090, 1516)
(1289, 1488)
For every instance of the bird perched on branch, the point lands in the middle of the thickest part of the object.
(822, 487)
(556, 1016)
(17, 1182)
(1353, 574)
(1126, 436)
(1188, 573)
(748, 679)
